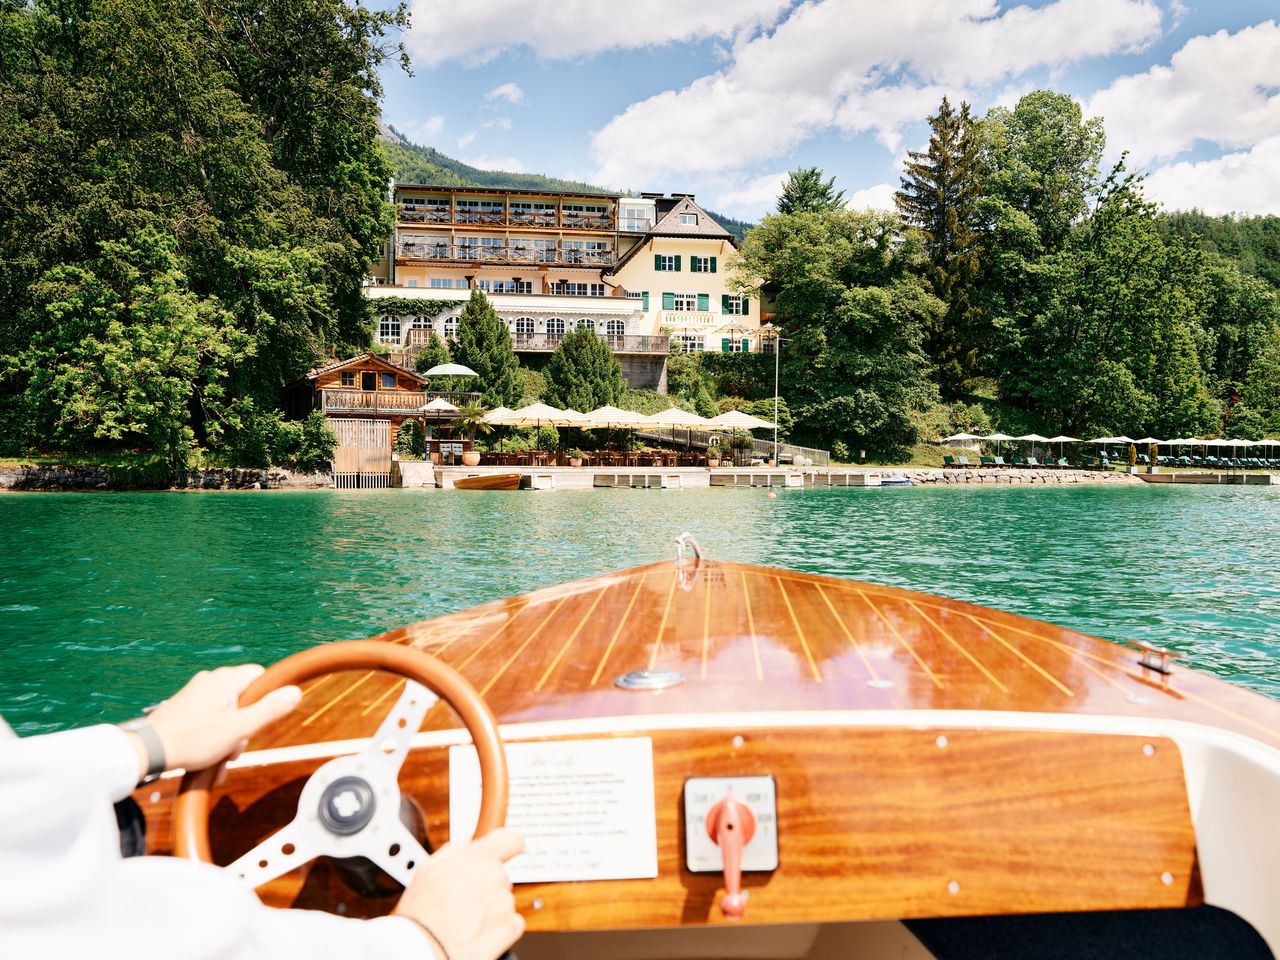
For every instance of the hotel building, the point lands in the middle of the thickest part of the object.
(647, 273)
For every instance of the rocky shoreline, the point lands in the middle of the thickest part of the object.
(70, 477)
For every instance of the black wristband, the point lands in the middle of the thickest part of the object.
(444, 954)
(151, 740)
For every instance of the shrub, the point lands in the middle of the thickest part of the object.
(409, 440)
(315, 442)
(840, 451)
(546, 438)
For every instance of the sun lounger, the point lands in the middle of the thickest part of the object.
(998, 462)
(986, 461)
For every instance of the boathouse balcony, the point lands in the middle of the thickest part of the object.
(393, 402)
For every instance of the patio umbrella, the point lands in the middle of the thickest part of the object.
(1060, 439)
(961, 436)
(450, 370)
(438, 408)
(737, 420)
(998, 438)
(537, 414)
(609, 416)
(675, 417)
(500, 417)
(1033, 438)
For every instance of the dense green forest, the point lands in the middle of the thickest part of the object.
(415, 164)
(192, 194)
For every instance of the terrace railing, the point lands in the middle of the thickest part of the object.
(513, 218)
(513, 254)
(369, 401)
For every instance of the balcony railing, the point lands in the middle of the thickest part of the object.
(514, 218)
(630, 343)
(513, 254)
(389, 401)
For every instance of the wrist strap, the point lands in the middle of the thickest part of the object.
(444, 954)
(151, 740)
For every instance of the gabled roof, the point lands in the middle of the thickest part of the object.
(670, 225)
(373, 358)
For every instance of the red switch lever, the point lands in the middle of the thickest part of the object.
(731, 825)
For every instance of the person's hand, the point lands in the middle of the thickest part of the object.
(201, 723)
(462, 894)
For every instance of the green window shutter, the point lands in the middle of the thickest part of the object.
(677, 263)
(724, 345)
(746, 345)
(644, 299)
(693, 265)
(657, 261)
(704, 301)
(668, 301)
(724, 303)
(713, 264)
(746, 306)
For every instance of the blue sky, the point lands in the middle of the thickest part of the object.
(721, 98)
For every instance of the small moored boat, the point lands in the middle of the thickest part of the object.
(489, 481)
(721, 759)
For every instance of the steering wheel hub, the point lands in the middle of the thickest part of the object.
(347, 806)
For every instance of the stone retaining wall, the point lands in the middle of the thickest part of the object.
(93, 477)
(996, 476)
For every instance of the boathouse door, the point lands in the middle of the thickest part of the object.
(362, 458)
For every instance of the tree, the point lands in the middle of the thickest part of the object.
(432, 355)
(240, 139)
(940, 191)
(583, 373)
(806, 192)
(849, 297)
(484, 344)
(1262, 386)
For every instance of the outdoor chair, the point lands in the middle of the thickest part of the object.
(986, 461)
(1032, 462)
(998, 462)
(1017, 461)
(963, 462)
(948, 461)
(1144, 460)
(1062, 463)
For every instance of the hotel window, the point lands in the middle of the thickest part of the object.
(491, 248)
(642, 296)
(388, 329)
(615, 328)
(523, 286)
(682, 301)
(575, 251)
(689, 219)
(348, 378)
(565, 289)
(702, 264)
(420, 323)
(691, 342)
(734, 345)
(587, 324)
(732, 305)
(524, 324)
(636, 219)
(545, 251)
(388, 381)
(555, 327)
(467, 211)
(444, 283)
(468, 248)
(450, 327)
(411, 282)
(597, 290)
(768, 345)
(668, 263)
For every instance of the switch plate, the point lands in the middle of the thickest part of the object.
(701, 854)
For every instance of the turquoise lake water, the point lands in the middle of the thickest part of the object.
(110, 601)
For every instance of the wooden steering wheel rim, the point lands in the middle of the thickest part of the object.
(191, 807)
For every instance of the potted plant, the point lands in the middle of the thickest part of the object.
(713, 457)
(740, 444)
(471, 419)
(1133, 459)
(1153, 454)
(575, 457)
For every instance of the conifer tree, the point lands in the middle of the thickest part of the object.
(484, 344)
(939, 197)
(583, 373)
(432, 355)
(806, 192)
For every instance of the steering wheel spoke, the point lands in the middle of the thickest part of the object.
(391, 743)
(399, 853)
(287, 848)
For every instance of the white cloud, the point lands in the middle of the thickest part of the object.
(477, 32)
(420, 131)
(1247, 181)
(751, 199)
(509, 92)
(465, 140)
(879, 197)
(855, 66)
(486, 162)
(1220, 88)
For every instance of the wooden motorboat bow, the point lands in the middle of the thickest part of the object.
(882, 755)
(489, 481)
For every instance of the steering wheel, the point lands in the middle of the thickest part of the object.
(350, 806)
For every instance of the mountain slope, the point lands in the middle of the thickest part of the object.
(418, 164)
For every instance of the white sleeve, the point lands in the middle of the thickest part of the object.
(65, 891)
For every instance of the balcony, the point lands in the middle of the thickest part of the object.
(547, 343)
(502, 254)
(400, 402)
(514, 218)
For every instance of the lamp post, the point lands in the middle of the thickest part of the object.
(778, 340)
